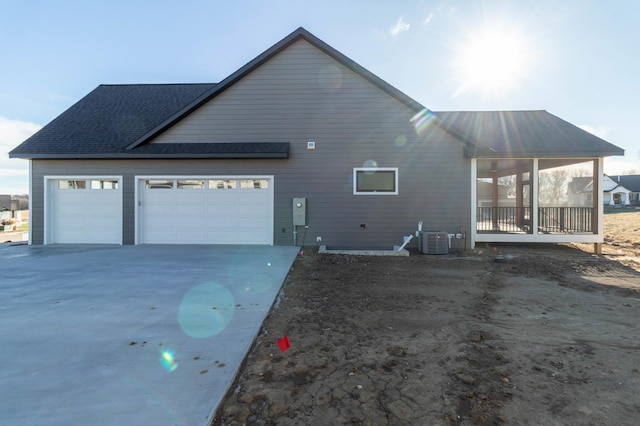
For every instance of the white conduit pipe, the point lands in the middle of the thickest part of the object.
(405, 242)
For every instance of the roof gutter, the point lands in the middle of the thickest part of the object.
(121, 156)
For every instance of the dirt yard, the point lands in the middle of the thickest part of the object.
(547, 336)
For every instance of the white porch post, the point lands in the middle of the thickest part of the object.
(536, 197)
(598, 177)
(30, 202)
(474, 202)
(600, 205)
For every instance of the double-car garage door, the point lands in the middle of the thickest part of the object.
(205, 211)
(169, 210)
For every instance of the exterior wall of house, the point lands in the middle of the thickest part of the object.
(333, 212)
(303, 95)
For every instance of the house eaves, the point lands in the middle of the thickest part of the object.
(244, 150)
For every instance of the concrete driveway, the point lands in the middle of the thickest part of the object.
(114, 335)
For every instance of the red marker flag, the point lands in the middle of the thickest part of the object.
(284, 344)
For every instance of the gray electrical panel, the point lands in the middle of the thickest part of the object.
(299, 211)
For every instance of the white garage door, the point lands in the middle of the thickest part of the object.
(225, 210)
(84, 211)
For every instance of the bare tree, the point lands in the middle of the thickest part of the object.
(552, 191)
(508, 182)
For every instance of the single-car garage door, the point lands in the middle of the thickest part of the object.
(84, 211)
(220, 210)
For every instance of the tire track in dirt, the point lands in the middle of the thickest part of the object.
(481, 383)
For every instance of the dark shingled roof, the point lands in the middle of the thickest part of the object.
(630, 182)
(118, 121)
(513, 134)
(108, 119)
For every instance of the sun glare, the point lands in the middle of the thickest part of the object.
(492, 62)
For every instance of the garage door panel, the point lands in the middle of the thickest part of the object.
(207, 215)
(226, 237)
(193, 225)
(221, 210)
(159, 197)
(191, 211)
(70, 236)
(100, 236)
(102, 212)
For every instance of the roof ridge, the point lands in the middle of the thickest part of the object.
(153, 84)
(493, 110)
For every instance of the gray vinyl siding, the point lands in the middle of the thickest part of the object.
(288, 99)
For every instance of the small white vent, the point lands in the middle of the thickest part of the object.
(433, 242)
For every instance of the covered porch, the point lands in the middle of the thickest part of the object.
(537, 200)
(535, 178)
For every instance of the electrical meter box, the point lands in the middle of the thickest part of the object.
(299, 211)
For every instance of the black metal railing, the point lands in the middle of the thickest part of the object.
(504, 219)
(566, 219)
(550, 219)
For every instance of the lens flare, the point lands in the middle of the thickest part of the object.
(330, 78)
(168, 362)
(259, 283)
(370, 164)
(422, 120)
(206, 310)
(401, 141)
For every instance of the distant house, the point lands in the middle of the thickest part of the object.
(580, 191)
(301, 144)
(621, 190)
(5, 203)
(6, 207)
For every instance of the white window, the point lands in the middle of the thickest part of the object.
(72, 184)
(375, 181)
(222, 184)
(254, 184)
(104, 184)
(159, 184)
(190, 183)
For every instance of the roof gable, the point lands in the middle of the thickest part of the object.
(299, 34)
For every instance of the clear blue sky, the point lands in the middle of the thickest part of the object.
(577, 59)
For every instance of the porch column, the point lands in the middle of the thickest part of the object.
(474, 204)
(30, 204)
(535, 197)
(519, 200)
(596, 197)
(597, 218)
(494, 199)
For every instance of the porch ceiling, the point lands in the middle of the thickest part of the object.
(487, 168)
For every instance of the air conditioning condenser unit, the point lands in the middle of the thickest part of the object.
(433, 242)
